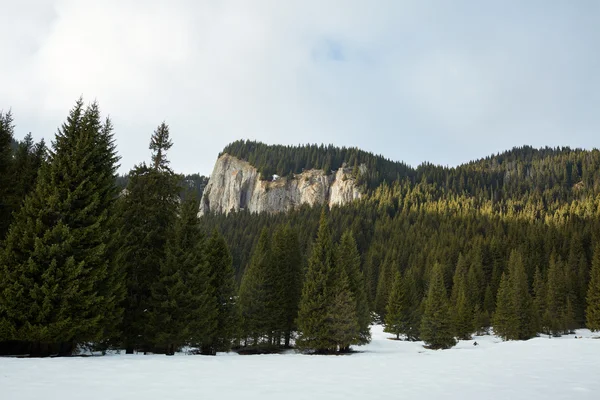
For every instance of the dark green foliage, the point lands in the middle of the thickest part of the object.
(327, 319)
(6, 162)
(287, 263)
(348, 259)
(514, 318)
(315, 300)
(558, 315)
(148, 212)
(222, 282)
(436, 324)
(397, 317)
(258, 296)
(184, 309)
(592, 312)
(55, 264)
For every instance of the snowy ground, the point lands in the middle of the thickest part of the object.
(542, 368)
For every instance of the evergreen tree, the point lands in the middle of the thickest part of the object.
(514, 318)
(327, 318)
(462, 310)
(257, 294)
(287, 263)
(436, 326)
(539, 299)
(397, 317)
(55, 262)
(148, 211)
(348, 259)
(341, 323)
(6, 138)
(183, 306)
(312, 315)
(593, 295)
(556, 313)
(222, 282)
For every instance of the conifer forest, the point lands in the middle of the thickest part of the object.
(508, 245)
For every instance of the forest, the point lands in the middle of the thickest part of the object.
(508, 244)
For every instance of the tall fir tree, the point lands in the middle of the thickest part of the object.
(348, 259)
(397, 316)
(592, 312)
(287, 264)
(6, 162)
(257, 295)
(312, 315)
(222, 282)
(55, 262)
(514, 318)
(148, 210)
(183, 308)
(436, 325)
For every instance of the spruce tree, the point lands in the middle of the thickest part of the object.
(348, 259)
(148, 211)
(514, 318)
(436, 325)
(462, 310)
(287, 264)
(6, 162)
(397, 317)
(183, 307)
(222, 282)
(341, 323)
(504, 318)
(592, 312)
(316, 294)
(257, 296)
(55, 261)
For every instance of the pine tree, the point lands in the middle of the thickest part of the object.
(183, 307)
(436, 326)
(287, 263)
(222, 282)
(397, 317)
(6, 162)
(256, 295)
(592, 311)
(312, 315)
(327, 316)
(556, 297)
(462, 310)
(504, 318)
(148, 212)
(514, 318)
(341, 322)
(55, 259)
(539, 299)
(384, 284)
(348, 259)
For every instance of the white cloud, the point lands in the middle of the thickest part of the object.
(442, 81)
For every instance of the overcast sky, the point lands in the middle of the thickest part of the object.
(439, 81)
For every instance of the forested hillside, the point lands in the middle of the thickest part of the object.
(509, 242)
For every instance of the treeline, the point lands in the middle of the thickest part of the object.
(405, 232)
(547, 175)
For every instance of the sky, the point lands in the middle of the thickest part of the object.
(414, 80)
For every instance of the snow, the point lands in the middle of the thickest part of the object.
(557, 368)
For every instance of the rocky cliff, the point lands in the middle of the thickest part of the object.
(235, 184)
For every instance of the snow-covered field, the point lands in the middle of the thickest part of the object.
(542, 368)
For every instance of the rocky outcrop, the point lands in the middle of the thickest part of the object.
(235, 185)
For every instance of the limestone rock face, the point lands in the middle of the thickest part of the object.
(235, 184)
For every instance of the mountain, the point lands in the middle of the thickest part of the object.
(236, 185)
